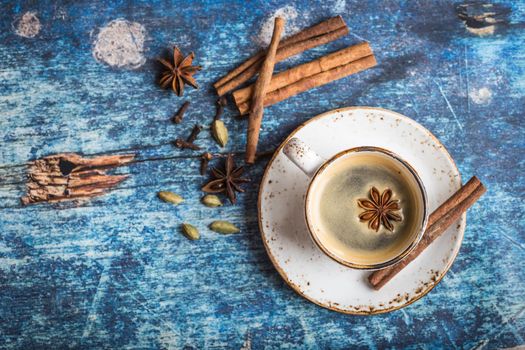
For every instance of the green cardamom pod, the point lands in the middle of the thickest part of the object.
(170, 197)
(190, 231)
(219, 132)
(224, 227)
(211, 200)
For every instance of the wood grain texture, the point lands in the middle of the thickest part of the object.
(115, 272)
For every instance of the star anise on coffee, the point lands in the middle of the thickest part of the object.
(227, 180)
(379, 209)
(179, 72)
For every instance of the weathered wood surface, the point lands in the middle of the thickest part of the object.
(115, 272)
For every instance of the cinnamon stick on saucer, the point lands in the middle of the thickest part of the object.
(306, 39)
(315, 73)
(259, 91)
(438, 222)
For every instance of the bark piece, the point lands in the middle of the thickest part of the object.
(67, 176)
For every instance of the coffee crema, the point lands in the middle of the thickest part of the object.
(333, 210)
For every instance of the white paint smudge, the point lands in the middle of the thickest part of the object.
(10, 263)
(120, 44)
(289, 14)
(27, 26)
(4, 249)
(60, 13)
(481, 96)
(339, 6)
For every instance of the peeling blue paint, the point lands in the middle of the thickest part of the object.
(116, 273)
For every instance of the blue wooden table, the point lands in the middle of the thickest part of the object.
(115, 272)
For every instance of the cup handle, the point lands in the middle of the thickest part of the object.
(303, 156)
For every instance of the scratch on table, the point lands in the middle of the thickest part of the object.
(247, 345)
(308, 334)
(449, 105)
(513, 241)
(406, 318)
(146, 307)
(168, 338)
(480, 345)
(358, 37)
(451, 273)
(101, 288)
(447, 333)
(465, 55)
(414, 106)
(505, 322)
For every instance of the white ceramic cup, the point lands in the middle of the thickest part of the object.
(314, 166)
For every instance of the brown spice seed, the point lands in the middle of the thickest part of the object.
(227, 180)
(180, 143)
(177, 118)
(221, 103)
(194, 133)
(379, 209)
(205, 159)
(179, 72)
(189, 143)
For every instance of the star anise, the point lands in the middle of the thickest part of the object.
(227, 180)
(179, 73)
(379, 209)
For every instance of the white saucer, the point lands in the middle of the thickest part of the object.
(281, 216)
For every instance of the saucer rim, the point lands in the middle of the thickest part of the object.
(281, 272)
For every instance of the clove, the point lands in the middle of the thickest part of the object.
(194, 133)
(205, 159)
(177, 118)
(180, 143)
(221, 103)
(189, 142)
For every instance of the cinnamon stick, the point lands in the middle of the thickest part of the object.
(308, 82)
(311, 37)
(438, 222)
(259, 91)
(98, 162)
(323, 64)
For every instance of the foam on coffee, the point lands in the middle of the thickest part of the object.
(333, 212)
